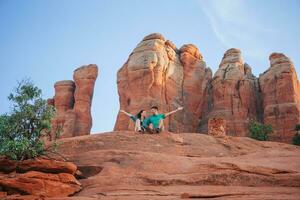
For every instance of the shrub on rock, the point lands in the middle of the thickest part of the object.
(259, 131)
(296, 138)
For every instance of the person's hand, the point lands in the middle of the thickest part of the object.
(122, 111)
(180, 108)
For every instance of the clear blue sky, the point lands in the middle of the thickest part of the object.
(46, 40)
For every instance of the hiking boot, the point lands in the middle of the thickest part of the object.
(158, 130)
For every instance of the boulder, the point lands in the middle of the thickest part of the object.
(39, 183)
(37, 164)
(37, 178)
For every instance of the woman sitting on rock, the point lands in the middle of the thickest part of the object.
(138, 119)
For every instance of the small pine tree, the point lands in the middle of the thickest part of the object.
(29, 120)
(259, 131)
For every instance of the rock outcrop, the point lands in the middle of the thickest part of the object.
(280, 90)
(232, 95)
(37, 179)
(128, 165)
(157, 73)
(72, 102)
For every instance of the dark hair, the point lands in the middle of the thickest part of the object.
(154, 107)
(139, 115)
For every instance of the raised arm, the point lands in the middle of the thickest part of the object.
(174, 111)
(126, 113)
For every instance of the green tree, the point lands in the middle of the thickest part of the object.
(259, 131)
(29, 120)
(296, 138)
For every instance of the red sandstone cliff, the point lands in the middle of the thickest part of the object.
(157, 73)
(281, 97)
(232, 94)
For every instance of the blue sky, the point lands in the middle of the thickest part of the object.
(46, 40)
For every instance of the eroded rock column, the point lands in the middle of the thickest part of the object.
(232, 94)
(84, 78)
(72, 101)
(281, 97)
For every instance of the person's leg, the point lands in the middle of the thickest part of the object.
(137, 125)
(160, 127)
(161, 124)
(150, 128)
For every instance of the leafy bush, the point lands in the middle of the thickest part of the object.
(296, 138)
(29, 120)
(260, 131)
(297, 128)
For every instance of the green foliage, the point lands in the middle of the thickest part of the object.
(260, 131)
(296, 138)
(297, 127)
(29, 120)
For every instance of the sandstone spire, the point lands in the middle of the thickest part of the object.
(72, 102)
(281, 97)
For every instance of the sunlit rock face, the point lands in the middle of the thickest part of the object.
(232, 95)
(157, 73)
(281, 97)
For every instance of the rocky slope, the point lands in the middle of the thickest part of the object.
(157, 73)
(126, 165)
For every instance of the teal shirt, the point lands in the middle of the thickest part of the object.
(154, 119)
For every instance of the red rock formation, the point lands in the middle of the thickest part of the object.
(73, 101)
(39, 183)
(157, 73)
(63, 102)
(281, 97)
(195, 79)
(84, 78)
(41, 165)
(39, 177)
(232, 95)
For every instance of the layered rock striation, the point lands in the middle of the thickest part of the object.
(37, 179)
